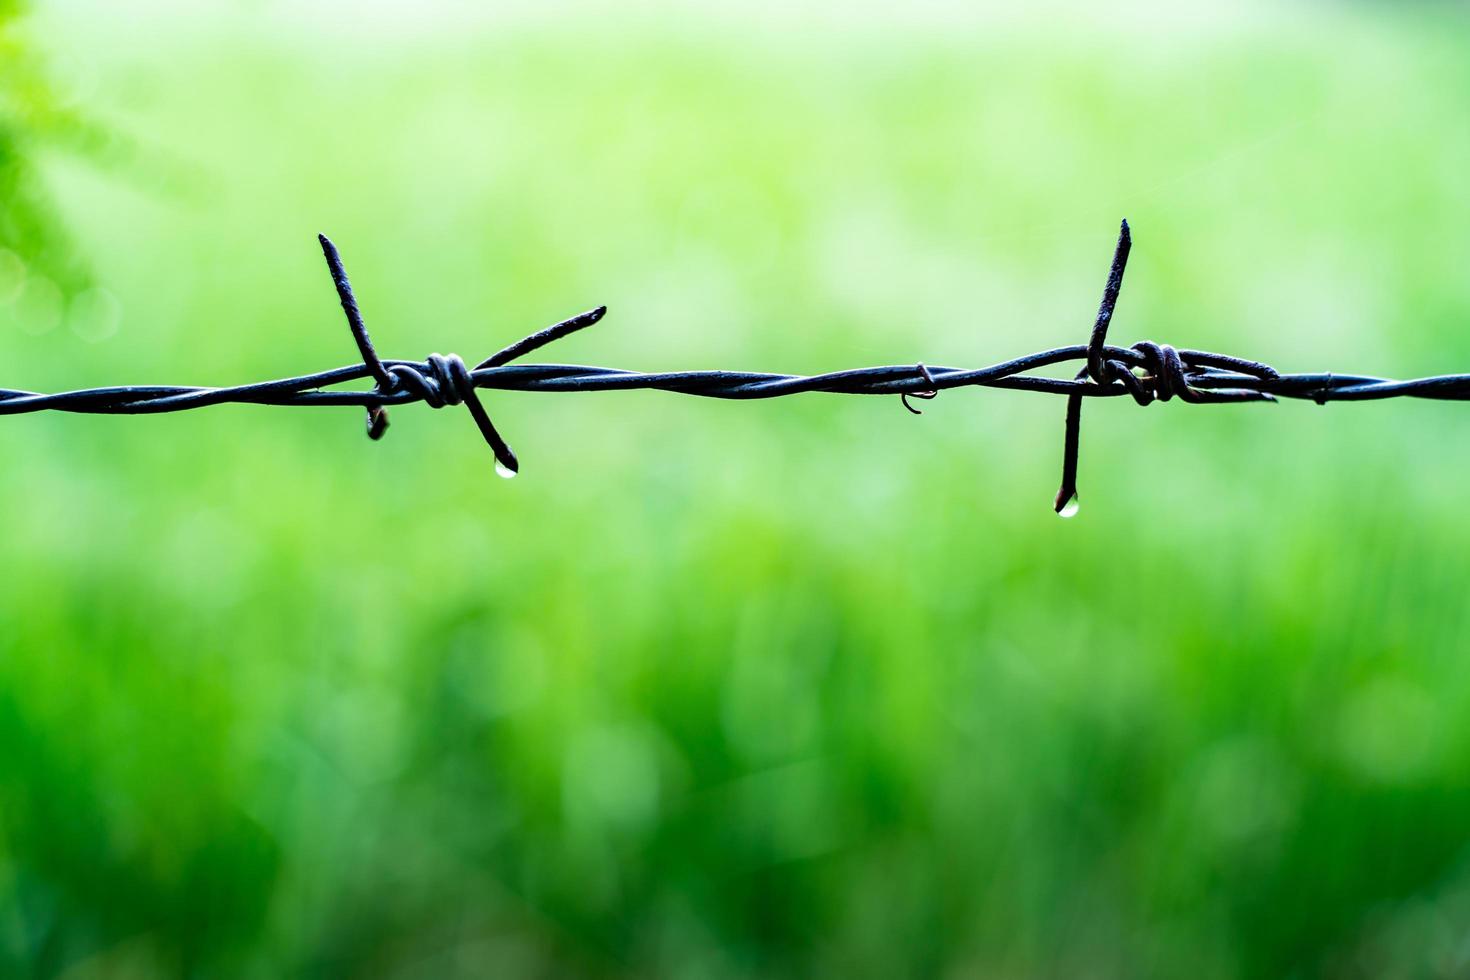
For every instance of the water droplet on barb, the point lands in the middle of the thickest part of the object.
(504, 471)
(1070, 508)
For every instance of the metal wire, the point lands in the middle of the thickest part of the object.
(1146, 371)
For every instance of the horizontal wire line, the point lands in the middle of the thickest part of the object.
(887, 380)
(1145, 371)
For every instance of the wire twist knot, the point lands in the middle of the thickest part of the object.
(449, 381)
(1166, 372)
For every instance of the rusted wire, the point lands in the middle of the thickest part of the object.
(1146, 371)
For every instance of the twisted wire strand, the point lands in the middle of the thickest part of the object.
(1146, 372)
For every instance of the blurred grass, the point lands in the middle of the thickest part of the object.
(787, 688)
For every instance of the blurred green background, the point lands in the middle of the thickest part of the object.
(787, 688)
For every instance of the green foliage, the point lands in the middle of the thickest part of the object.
(31, 117)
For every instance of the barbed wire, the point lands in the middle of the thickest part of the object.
(1146, 371)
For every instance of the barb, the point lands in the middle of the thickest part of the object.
(925, 395)
(1146, 372)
